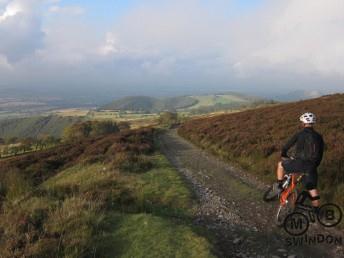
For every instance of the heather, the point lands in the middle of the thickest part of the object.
(112, 195)
(252, 139)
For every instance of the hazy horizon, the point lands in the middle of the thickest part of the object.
(160, 48)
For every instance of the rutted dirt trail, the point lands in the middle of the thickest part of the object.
(231, 205)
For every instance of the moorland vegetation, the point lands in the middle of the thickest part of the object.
(253, 139)
(109, 195)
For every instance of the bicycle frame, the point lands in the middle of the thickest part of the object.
(290, 185)
(288, 197)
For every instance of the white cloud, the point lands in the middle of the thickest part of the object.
(20, 29)
(177, 43)
(171, 38)
(183, 27)
(4, 63)
(11, 10)
(295, 37)
(68, 10)
(110, 46)
(302, 37)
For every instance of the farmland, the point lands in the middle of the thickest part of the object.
(211, 100)
(139, 111)
(142, 104)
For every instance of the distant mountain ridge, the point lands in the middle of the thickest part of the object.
(151, 104)
(299, 95)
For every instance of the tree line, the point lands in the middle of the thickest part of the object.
(14, 146)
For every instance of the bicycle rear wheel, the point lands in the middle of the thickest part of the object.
(285, 209)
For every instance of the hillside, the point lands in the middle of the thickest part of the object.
(35, 126)
(108, 196)
(220, 99)
(193, 103)
(253, 138)
(299, 95)
(149, 104)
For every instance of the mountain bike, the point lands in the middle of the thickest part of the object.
(287, 198)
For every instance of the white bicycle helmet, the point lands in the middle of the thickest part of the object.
(308, 118)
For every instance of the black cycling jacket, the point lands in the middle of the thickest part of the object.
(299, 139)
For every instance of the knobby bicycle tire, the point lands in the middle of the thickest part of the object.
(269, 195)
(284, 210)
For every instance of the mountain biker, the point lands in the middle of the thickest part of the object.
(308, 156)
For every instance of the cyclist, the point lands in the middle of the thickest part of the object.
(309, 153)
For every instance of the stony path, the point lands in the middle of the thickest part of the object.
(231, 205)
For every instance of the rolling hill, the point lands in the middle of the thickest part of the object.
(35, 126)
(149, 104)
(181, 103)
(299, 95)
(253, 139)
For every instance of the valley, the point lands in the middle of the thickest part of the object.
(124, 184)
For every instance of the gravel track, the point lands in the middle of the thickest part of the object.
(231, 206)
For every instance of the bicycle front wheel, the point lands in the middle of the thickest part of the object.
(270, 195)
(286, 208)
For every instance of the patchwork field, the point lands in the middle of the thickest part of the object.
(211, 100)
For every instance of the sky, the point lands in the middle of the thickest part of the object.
(164, 47)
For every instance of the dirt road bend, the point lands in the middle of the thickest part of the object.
(231, 206)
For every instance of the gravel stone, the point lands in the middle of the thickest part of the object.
(230, 204)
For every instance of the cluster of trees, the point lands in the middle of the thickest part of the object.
(91, 128)
(168, 119)
(14, 145)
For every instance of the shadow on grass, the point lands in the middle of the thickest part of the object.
(148, 235)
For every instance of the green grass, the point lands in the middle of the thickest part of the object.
(163, 190)
(15, 185)
(92, 210)
(36, 126)
(82, 177)
(146, 235)
(211, 100)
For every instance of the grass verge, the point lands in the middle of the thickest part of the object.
(94, 209)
